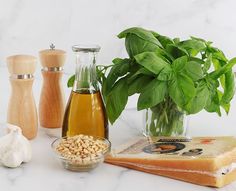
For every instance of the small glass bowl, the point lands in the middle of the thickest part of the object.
(78, 165)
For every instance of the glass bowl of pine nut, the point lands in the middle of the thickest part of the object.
(81, 153)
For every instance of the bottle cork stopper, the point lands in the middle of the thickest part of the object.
(52, 57)
(21, 64)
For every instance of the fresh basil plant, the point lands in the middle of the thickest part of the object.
(191, 75)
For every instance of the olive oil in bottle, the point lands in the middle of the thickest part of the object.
(85, 112)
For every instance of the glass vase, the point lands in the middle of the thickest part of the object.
(165, 119)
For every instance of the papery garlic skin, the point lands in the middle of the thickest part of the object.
(14, 148)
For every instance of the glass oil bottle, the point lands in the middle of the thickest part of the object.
(85, 112)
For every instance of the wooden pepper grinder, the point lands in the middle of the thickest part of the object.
(52, 101)
(21, 108)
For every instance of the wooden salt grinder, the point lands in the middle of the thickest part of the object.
(52, 100)
(21, 108)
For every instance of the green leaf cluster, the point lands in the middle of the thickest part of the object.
(191, 73)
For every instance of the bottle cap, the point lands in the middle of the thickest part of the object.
(86, 48)
(52, 58)
(21, 64)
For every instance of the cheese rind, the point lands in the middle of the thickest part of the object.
(201, 160)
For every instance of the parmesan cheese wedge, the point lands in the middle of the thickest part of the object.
(209, 161)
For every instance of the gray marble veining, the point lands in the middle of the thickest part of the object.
(29, 26)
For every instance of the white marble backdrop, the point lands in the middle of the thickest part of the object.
(27, 26)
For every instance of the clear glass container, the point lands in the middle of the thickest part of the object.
(80, 165)
(165, 119)
(85, 112)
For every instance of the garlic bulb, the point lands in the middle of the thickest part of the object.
(14, 148)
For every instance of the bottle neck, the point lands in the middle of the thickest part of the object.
(85, 75)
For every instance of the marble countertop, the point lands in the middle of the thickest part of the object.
(30, 26)
(45, 173)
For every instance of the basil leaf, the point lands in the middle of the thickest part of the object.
(179, 63)
(152, 62)
(121, 61)
(207, 63)
(198, 102)
(164, 40)
(138, 40)
(165, 75)
(227, 67)
(117, 100)
(135, 45)
(193, 70)
(198, 60)
(227, 81)
(70, 82)
(176, 51)
(137, 85)
(192, 46)
(198, 39)
(216, 53)
(181, 89)
(219, 56)
(217, 65)
(143, 34)
(120, 68)
(168, 57)
(229, 88)
(155, 33)
(164, 55)
(142, 70)
(213, 103)
(176, 40)
(225, 106)
(153, 94)
(100, 75)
